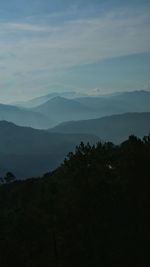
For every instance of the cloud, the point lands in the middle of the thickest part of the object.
(41, 50)
(80, 41)
(22, 27)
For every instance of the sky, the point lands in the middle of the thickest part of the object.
(85, 46)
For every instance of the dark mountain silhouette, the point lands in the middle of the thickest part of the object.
(29, 152)
(24, 117)
(115, 128)
(92, 211)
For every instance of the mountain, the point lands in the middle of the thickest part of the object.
(42, 99)
(24, 117)
(115, 128)
(117, 103)
(30, 152)
(62, 109)
(90, 212)
(56, 108)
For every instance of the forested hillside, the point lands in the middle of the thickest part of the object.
(92, 211)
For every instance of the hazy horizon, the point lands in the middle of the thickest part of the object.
(83, 46)
(58, 93)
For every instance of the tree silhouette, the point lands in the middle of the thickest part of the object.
(9, 177)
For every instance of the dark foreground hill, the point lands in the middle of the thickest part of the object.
(115, 128)
(92, 211)
(29, 152)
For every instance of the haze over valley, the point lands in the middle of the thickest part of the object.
(74, 133)
(60, 123)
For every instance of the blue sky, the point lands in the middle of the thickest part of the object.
(83, 45)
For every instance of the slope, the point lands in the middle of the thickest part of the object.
(92, 211)
(115, 128)
(37, 101)
(117, 103)
(24, 117)
(30, 152)
(62, 109)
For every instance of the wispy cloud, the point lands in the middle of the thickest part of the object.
(79, 41)
(52, 48)
(22, 27)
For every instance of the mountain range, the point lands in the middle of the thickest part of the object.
(44, 98)
(62, 109)
(56, 108)
(60, 123)
(29, 152)
(23, 117)
(115, 128)
(117, 103)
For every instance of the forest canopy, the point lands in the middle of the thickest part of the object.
(91, 211)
